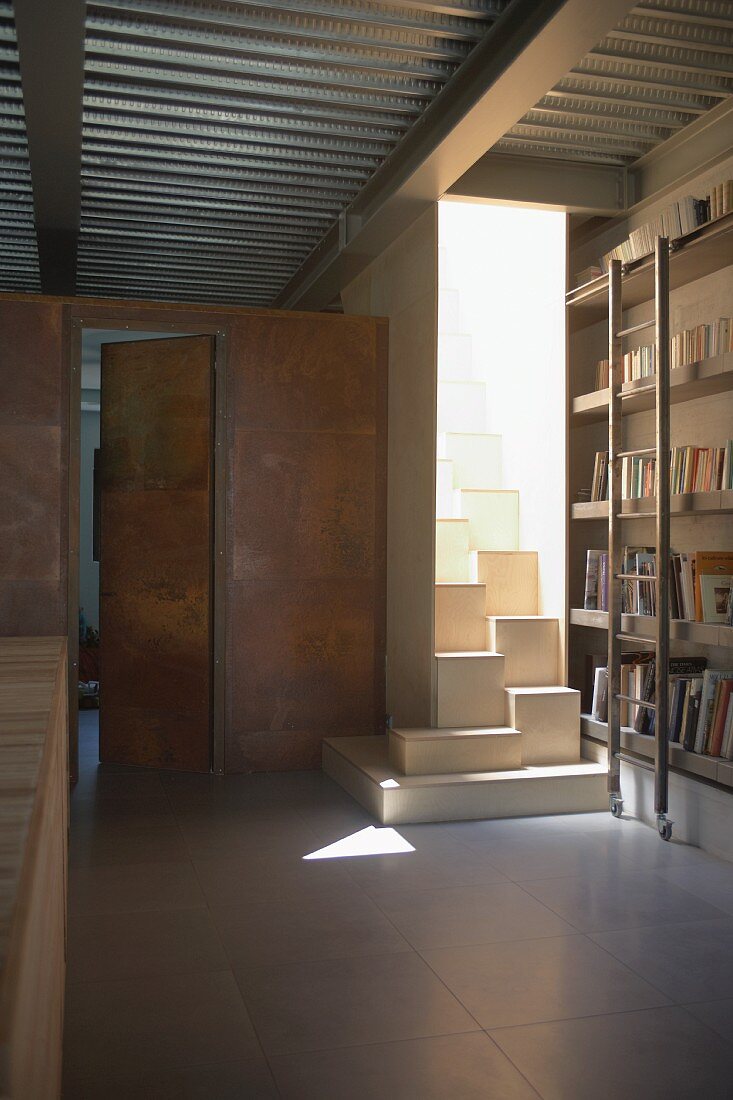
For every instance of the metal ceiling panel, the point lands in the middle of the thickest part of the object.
(19, 269)
(666, 63)
(222, 139)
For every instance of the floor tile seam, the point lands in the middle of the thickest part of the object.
(375, 953)
(495, 1031)
(478, 1030)
(627, 966)
(434, 889)
(91, 914)
(76, 983)
(180, 1067)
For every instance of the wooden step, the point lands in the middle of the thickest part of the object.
(530, 647)
(461, 407)
(511, 579)
(549, 721)
(469, 689)
(444, 489)
(460, 623)
(493, 517)
(476, 458)
(361, 766)
(472, 749)
(452, 562)
(454, 357)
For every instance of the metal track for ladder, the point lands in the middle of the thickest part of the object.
(660, 639)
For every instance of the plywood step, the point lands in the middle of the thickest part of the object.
(472, 749)
(361, 766)
(469, 689)
(476, 458)
(452, 562)
(549, 721)
(493, 517)
(454, 356)
(511, 579)
(530, 647)
(462, 406)
(460, 623)
(444, 489)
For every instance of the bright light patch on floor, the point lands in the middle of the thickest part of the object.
(389, 784)
(367, 842)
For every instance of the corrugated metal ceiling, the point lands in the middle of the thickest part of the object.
(222, 139)
(18, 252)
(667, 63)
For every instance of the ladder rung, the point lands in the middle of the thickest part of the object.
(634, 577)
(636, 453)
(636, 328)
(632, 760)
(635, 515)
(639, 702)
(636, 638)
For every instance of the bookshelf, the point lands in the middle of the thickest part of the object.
(699, 411)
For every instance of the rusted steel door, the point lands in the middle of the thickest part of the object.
(156, 553)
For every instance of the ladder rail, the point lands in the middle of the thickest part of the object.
(615, 445)
(662, 427)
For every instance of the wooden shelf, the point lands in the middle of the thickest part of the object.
(717, 503)
(700, 379)
(682, 630)
(691, 763)
(706, 249)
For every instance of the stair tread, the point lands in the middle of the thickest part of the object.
(452, 733)
(460, 584)
(370, 755)
(469, 653)
(550, 689)
(522, 618)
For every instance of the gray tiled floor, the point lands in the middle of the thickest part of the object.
(567, 958)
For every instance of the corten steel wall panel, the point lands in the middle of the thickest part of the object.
(33, 490)
(155, 561)
(307, 491)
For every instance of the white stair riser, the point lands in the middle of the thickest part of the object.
(476, 458)
(448, 311)
(470, 691)
(530, 648)
(454, 357)
(451, 552)
(511, 580)
(462, 407)
(444, 490)
(460, 625)
(493, 518)
(489, 752)
(549, 724)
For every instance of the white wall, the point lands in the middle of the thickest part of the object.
(508, 264)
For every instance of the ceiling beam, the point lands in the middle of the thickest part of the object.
(51, 55)
(533, 45)
(540, 181)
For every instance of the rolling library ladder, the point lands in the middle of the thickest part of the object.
(616, 453)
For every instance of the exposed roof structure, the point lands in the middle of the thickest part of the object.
(221, 143)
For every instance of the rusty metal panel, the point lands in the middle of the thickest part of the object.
(155, 566)
(306, 530)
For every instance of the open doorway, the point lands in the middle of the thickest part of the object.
(145, 548)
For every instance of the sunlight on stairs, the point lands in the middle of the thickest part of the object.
(506, 740)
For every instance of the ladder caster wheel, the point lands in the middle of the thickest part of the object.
(665, 829)
(617, 807)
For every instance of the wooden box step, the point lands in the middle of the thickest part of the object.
(549, 721)
(476, 458)
(473, 749)
(460, 624)
(511, 579)
(444, 502)
(455, 357)
(361, 766)
(452, 562)
(461, 407)
(493, 517)
(470, 689)
(530, 644)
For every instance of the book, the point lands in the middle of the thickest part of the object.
(711, 678)
(693, 714)
(720, 712)
(599, 709)
(592, 575)
(727, 748)
(715, 595)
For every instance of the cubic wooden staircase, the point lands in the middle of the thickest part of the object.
(506, 735)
